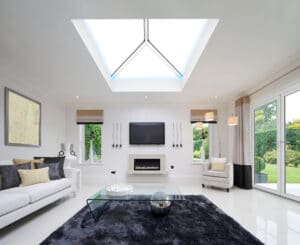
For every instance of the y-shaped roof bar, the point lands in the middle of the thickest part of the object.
(146, 40)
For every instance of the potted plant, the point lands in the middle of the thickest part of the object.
(260, 166)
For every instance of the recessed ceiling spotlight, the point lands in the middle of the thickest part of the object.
(77, 97)
(216, 96)
(146, 97)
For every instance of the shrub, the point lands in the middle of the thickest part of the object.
(296, 163)
(259, 164)
(291, 156)
(196, 154)
(271, 157)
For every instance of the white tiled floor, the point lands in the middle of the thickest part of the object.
(272, 219)
(293, 189)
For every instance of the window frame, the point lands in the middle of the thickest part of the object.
(210, 144)
(81, 151)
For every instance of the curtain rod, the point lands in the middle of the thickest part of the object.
(274, 80)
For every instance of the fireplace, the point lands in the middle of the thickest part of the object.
(141, 164)
(147, 164)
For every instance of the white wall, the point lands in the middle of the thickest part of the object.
(290, 80)
(53, 126)
(117, 159)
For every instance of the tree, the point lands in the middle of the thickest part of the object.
(201, 137)
(265, 129)
(97, 132)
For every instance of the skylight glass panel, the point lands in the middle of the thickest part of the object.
(145, 54)
(115, 39)
(176, 39)
(146, 64)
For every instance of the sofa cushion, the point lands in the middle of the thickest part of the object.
(42, 190)
(53, 169)
(61, 161)
(34, 176)
(12, 201)
(32, 161)
(218, 164)
(9, 175)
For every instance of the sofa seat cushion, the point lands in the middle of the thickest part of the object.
(39, 191)
(213, 173)
(215, 179)
(12, 201)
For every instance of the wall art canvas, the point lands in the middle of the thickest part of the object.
(22, 120)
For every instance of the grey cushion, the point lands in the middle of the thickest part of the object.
(9, 175)
(61, 161)
(53, 169)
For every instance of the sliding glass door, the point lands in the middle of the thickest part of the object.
(276, 144)
(292, 144)
(265, 145)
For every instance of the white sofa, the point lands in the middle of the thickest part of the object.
(220, 179)
(17, 202)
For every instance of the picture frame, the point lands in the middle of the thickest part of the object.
(22, 120)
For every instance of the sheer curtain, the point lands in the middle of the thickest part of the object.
(241, 146)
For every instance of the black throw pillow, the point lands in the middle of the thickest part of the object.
(9, 175)
(59, 160)
(53, 169)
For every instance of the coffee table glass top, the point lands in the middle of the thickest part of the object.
(142, 192)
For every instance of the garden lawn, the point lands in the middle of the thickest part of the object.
(292, 173)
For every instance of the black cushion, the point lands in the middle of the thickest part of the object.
(53, 169)
(9, 175)
(59, 160)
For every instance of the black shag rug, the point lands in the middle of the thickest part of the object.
(193, 221)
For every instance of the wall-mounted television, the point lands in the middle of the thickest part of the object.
(147, 133)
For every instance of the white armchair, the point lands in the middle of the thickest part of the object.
(221, 179)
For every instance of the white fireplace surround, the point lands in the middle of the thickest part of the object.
(161, 157)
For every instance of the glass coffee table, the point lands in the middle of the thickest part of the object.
(159, 196)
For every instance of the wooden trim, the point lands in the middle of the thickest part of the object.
(198, 115)
(89, 116)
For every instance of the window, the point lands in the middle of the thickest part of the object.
(154, 51)
(90, 142)
(201, 142)
(147, 46)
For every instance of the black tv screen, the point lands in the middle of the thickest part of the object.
(147, 133)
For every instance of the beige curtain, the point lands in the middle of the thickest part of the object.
(89, 116)
(241, 142)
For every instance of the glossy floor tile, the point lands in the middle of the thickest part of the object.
(274, 220)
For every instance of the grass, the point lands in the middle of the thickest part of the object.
(292, 173)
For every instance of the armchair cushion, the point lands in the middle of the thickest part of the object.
(218, 164)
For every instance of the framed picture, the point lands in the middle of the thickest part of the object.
(22, 120)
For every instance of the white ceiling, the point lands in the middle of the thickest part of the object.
(39, 46)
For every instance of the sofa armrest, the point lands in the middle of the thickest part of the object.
(74, 175)
(205, 167)
(229, 172)
(70, 172)
(229, 169)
